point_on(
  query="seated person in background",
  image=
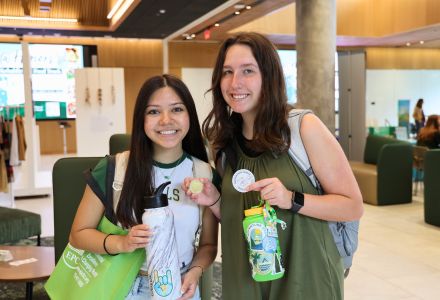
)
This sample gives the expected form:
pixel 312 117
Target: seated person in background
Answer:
pixel 429 136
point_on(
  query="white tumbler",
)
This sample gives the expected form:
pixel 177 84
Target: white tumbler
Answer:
pixel 162 259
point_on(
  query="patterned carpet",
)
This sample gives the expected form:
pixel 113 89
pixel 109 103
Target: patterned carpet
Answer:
pixel 14 291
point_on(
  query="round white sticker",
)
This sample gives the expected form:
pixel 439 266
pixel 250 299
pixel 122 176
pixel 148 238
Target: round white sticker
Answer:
pixel 241 179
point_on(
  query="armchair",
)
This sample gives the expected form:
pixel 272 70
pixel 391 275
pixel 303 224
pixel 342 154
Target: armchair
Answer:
pixel 385 175
pixel 119 142
pixel 68 187
pixel 432 187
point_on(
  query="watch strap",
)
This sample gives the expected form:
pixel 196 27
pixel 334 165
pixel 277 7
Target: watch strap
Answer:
pixel 297 202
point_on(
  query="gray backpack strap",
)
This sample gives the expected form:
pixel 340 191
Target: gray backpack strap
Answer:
pixel 345 234
pixel 201 169
pixel 296 150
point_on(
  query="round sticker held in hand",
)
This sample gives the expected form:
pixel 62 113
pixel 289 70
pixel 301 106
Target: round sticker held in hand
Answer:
pixel 241 179
pixel 196 186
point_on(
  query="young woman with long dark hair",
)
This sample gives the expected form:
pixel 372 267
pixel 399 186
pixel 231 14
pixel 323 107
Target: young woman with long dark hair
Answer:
pixel 165 142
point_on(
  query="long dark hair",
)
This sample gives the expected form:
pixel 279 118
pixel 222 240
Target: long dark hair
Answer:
pixel 430 128
pixel 271 130
pixel 139 179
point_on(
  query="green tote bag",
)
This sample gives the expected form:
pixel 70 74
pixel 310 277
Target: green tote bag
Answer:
pixel 80 274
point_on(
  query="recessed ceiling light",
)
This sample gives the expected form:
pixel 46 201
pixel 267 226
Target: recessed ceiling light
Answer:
pixel 26 18
pixel 422 42
pixel 216 24
pixel 248 7
pixel 114 9
pixel 193 35
pixel 237 12
pixel 162 11
pixel 408 44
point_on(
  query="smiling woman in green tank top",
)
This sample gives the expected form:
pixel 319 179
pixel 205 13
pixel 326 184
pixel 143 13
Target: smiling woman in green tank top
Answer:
pixel 248 122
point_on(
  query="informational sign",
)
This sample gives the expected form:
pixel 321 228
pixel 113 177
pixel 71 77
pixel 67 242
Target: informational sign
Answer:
pixel 403 112
pixel 52 74
pixel 11 75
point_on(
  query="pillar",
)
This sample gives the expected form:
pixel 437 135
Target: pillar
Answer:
pixel 316 46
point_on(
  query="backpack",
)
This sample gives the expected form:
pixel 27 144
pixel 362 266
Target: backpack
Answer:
pixel 345 234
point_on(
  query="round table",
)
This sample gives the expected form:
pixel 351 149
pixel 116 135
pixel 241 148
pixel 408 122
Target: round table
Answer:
pixel 30 272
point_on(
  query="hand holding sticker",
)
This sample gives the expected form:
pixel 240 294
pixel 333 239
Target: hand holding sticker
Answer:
pixel 241 179
pixel 196 186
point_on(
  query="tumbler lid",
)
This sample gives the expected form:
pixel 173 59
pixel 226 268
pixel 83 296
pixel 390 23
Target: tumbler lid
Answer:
pixel 253 211
pixel 158 199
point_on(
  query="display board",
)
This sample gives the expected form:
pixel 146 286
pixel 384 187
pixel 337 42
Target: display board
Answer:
pixel 100 104
pixel 198 81
pixel 11 75
pixel 52 75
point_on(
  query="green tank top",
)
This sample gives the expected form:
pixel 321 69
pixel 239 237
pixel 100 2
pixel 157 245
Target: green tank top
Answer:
pixel 314 269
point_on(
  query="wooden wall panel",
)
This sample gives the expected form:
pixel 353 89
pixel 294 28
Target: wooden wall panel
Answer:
pixel 51 137
pixel 192 55
pixel 132 53
pixel 281 21
pixel 381 18
pixel 403 58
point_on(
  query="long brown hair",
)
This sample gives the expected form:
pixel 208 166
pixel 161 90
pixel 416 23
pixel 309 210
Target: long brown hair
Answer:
pixel 271 130
pixel 139 179
pixel 430 128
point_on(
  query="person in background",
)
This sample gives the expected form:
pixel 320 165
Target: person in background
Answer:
pixel 165 141
pixel 418 115
pixel 249 124
pixel 429 136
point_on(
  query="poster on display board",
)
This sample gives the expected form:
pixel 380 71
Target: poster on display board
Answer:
pixel 403 117
pixel 52 74
pixel 403 112
pixel 11 75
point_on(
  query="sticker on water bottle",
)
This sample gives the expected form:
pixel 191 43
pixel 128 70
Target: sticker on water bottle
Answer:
pixel 241 179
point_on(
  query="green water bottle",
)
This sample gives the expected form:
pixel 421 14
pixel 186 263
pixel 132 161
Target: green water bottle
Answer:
pixel 260 229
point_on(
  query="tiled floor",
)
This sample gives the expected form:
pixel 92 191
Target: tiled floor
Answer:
pixel 398 256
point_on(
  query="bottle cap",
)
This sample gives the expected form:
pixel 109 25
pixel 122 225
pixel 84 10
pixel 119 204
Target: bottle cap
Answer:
pixel 158 199
pixel 253 211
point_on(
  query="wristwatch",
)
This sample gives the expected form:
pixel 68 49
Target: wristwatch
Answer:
pixel 297 202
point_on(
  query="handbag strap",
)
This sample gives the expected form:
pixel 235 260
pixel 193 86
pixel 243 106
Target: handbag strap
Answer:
pixel 119 175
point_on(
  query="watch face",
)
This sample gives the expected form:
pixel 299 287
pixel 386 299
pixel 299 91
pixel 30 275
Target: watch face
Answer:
pixel 297 202
pixel 299 198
